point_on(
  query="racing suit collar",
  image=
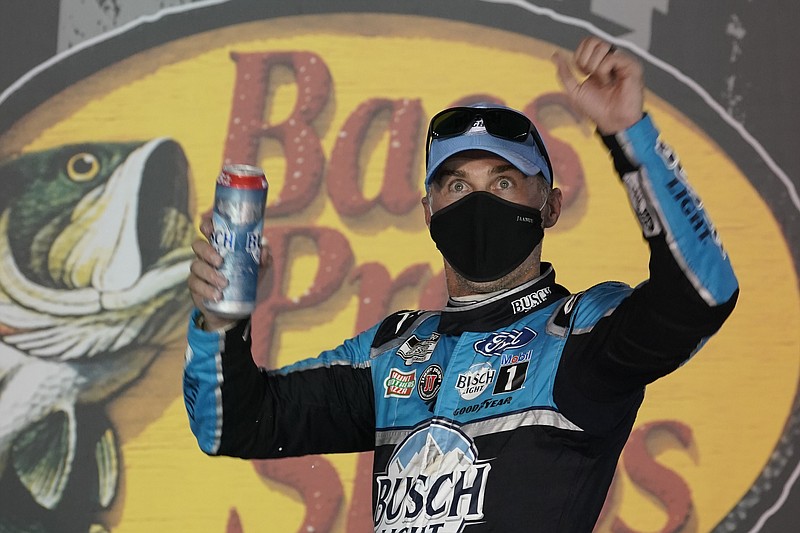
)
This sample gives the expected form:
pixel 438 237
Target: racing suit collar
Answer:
pixel 504 308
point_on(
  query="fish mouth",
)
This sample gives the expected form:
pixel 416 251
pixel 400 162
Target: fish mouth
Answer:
pixel 163 204
pixel 127 242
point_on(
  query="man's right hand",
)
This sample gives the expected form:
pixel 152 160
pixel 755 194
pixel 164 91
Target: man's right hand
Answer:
pixel 612 91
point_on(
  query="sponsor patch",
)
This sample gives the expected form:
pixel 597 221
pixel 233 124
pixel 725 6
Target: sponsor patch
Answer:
pixel 414 494
pixel 686 198
pixel 530 301
pixel 513 359
pixel 638 198
pixel 503 341
pixel 510 378
pixel 416 350
pixel 474 381
pixel 512 372
pixel 485 404
pixel 399 384
pixel 571 303
pixel 430 381
pixel 394 326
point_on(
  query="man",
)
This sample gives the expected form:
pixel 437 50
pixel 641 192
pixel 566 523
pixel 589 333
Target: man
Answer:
pixel 507 410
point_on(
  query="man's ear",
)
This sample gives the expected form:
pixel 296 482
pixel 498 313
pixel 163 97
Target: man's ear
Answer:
pixel 552 210
pixel 427 208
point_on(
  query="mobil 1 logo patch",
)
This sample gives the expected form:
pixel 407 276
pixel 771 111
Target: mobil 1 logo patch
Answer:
pixel 512 372
pixel 430 381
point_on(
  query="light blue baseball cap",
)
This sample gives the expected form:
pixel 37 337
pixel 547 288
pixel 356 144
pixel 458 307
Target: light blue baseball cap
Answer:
pixel 500 130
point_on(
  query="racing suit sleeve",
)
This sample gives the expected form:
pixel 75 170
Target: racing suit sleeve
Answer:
pixel 235 408
pixel 660 324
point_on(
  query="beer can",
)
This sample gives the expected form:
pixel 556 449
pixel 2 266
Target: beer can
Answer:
pixel 238 216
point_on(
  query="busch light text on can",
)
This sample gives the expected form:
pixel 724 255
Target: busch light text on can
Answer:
pixel 238 217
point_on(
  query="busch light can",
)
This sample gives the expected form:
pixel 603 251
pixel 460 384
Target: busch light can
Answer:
pixel 238 217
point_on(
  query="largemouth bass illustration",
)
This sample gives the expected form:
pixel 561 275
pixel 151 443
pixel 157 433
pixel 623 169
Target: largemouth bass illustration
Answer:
pixel 94 253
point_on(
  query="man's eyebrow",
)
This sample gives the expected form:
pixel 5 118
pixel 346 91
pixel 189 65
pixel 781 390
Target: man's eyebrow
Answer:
pixel 448 172
pixel 499 169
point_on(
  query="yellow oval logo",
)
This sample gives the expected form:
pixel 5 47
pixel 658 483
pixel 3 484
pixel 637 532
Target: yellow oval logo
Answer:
pixel 334 108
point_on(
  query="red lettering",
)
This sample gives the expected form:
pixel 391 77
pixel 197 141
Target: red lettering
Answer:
pixel 359 516
pixel 322 492
pixel 301 145
pixel 664 484
pixel 400 191
pixel 567 167
pixel 234 522
pixel 335 261
pixel 376 289
pixel 473 99
pixel 434 293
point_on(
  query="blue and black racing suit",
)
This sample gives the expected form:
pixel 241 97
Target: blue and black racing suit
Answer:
pixel 507 414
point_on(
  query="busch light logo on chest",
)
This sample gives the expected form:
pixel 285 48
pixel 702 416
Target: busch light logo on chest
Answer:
pixel 434 483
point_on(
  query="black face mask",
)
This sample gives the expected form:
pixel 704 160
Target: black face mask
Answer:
pixel 484 237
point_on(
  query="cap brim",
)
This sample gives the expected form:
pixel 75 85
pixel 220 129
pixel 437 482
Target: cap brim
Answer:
pixel 524 156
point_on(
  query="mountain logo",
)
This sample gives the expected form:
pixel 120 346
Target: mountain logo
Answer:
pixel 434 480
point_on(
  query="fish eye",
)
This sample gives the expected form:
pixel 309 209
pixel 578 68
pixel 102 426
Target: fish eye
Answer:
pixel 83 167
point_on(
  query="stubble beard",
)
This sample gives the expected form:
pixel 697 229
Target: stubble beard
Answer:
pixel 530 268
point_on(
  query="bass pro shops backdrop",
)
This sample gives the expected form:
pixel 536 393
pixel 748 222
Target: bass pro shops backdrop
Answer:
pixel 116 116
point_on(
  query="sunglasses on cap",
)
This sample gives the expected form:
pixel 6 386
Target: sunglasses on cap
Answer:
pixel 502 123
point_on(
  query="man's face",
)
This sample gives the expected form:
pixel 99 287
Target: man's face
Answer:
pixel 477 170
